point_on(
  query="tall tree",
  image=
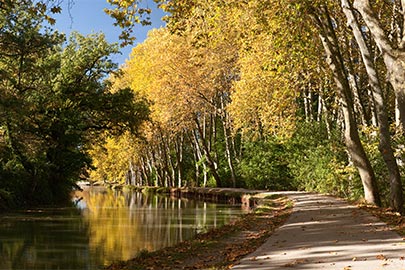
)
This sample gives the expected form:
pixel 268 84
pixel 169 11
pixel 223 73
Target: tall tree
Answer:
pixel 392 50
pixel 54 102
pixel 337 65
pixel 385 147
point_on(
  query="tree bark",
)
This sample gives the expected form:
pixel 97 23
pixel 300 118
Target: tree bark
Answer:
pixel 357 102
pixel 227 136
pixel 396 194
pixel 210 162
pixel 352 139
pixel 394 59
pixel 179 159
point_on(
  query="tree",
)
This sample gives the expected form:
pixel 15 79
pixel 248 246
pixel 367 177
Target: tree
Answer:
pixel 385 147
pixel 392 50
pixel 336 62
pixel 273 73
pixel 54 102
pixel 179 89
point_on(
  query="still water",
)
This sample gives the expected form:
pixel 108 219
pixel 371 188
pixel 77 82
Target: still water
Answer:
pixel 105 226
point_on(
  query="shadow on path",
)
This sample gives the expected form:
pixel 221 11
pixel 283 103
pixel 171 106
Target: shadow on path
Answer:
pixel 324 232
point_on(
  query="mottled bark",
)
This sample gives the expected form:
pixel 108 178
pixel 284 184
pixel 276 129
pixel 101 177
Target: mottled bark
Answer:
pixel 179 159
pixel 357 101
pixel 210 161
pixel 394 59
pixel 320 109
pixel 227 137
pixel 396 195
pixel 402 27
pixel 352 139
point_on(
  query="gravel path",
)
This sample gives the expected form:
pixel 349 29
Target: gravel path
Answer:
pixel 327 233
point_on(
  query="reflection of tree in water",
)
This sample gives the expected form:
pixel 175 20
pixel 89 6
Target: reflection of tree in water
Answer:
pixel 107 226
pixel 123 223
pixel 46 239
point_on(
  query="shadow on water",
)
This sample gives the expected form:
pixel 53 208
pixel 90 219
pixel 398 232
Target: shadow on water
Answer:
pixel 106 226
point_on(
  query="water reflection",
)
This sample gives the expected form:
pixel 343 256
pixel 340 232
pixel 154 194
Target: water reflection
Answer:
pixel 44 240
pixel 106 226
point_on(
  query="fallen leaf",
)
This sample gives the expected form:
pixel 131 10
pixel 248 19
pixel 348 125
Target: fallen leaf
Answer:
pixel 288 265
pixel 347 267
pixel 381 257
pixel 294 263
pixel 354 259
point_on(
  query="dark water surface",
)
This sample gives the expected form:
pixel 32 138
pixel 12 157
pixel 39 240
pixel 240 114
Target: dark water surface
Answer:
pixel 105 226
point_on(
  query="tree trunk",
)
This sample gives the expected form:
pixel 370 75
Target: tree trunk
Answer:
pixel 357 102
pixel 394 59
pixel 373 111
pixel 352 139
pixel 179 160
pixel 306 105
pixel 227 136
pixel 197 156
pixel 210 162
pixel 320 109
pixel 396 200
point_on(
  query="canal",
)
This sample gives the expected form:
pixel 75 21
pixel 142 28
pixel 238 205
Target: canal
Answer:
pixel 104 226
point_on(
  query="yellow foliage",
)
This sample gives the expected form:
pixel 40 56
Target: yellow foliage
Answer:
pixel 112 159
pixel 263 100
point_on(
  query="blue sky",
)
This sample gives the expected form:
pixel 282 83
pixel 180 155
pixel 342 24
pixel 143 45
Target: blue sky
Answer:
pixel 87 16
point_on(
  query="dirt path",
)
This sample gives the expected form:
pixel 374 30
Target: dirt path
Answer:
pixel 326 233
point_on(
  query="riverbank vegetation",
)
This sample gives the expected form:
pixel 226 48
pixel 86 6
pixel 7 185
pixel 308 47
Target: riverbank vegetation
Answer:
pixel 277 95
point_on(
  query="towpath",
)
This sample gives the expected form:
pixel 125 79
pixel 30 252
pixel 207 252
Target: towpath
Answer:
pixel 324 232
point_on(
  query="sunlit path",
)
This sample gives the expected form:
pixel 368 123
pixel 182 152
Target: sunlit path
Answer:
pixel 326 233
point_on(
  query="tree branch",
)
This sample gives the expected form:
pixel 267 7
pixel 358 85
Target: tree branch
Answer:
pixel 382 41
pixel 402 44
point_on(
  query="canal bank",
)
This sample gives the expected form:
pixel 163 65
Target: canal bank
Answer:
pixel 248 198
pixel 221 247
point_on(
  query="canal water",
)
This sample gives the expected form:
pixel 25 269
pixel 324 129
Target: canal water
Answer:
pixel 104 226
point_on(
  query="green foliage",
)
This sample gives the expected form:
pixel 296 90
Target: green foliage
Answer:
pixel 211 182
pixel 370 140
pixel 5 199
pixel 53 103
pixel 265 165
pixel 320 164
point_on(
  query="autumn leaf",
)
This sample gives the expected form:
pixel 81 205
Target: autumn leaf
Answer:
pixel 56 9
pixel 381 257
pixel 50 20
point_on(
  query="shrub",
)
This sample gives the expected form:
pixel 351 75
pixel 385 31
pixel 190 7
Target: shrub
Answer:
pixel 318 163
pixel 265 165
